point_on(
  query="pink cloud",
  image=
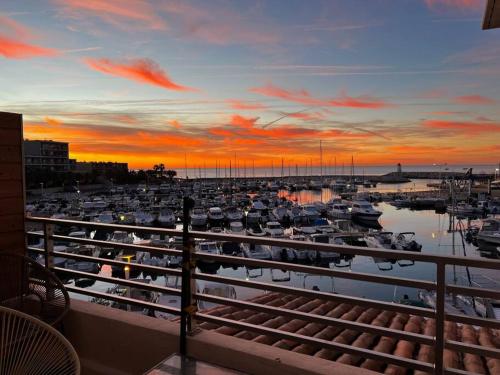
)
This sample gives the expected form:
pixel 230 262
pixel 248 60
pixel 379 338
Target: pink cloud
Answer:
pixel 242 105
pixel 304 97
pixel 124 14
pixel 455 4
pixel 219 25
pixel 139 70
pixel 14 41
pixel 174 123
pixel 474 99
pixel 463 127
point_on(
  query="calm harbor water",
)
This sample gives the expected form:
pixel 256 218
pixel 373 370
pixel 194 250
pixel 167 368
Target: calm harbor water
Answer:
pixel 431 230
pixel 298 168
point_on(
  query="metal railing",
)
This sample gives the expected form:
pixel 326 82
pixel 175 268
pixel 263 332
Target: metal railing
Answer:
pixel 189 296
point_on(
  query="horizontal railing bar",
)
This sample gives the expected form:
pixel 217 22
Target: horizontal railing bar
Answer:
pixel 365 353
pixel 35 249
pixel 305 245
pixel 127 282
pixel 126 300
pixel 278 311
pixel 315 294
pixel 427 285
pixel 91 224
pixel 35 234
pixel 474 292
pixel 472 320
pixel 483 351
pixel 119 245
pixel 155 269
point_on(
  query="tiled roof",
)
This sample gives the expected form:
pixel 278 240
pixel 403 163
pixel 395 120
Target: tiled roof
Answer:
pixel 464 333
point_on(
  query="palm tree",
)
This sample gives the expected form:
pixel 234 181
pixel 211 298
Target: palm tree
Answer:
pixel 159 170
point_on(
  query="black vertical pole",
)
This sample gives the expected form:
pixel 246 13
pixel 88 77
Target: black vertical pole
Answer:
pixel 188 204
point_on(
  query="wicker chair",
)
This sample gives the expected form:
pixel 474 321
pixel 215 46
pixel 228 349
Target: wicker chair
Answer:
pixel 37 292
pixel 30 346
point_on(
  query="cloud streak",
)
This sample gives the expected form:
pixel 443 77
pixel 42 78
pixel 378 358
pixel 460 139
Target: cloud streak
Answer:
pixel 14 42
pixel 463 127
pixel 139 70
pixel 474 100
pixel 304 97
pixel 124 14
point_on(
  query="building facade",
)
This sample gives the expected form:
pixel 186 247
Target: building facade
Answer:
pixel 49 155
pixel 100 168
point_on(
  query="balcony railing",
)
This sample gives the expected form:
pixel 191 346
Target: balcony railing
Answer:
pixel 189 296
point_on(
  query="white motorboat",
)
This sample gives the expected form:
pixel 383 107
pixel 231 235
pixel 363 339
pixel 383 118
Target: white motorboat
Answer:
pixel 105 217
pixel 233 213
pixel 311 212
pixel 236 227
pixel 208 247
pixel 253 217
pixel 144 218
pixel 274 229
pixel 282 254
pixel 322 256
pixel 198 217
pixel 215 216
pixel 488 237
pixel 281 214
pixel 166 218
pixel 121 236
pixel 463 209
pixel 254 251
pixel 301 256
pixel 339 211
pixel 338 185
pixel 256 230
pixel 363 210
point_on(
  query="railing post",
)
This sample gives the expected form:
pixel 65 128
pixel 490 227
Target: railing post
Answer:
pixel 440 316
pixel 48 243
pixel 188 306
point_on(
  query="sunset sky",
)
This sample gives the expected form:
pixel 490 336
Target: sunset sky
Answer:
pixel 145 82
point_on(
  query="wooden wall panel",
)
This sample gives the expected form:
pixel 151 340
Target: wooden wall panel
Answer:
pixel 12 198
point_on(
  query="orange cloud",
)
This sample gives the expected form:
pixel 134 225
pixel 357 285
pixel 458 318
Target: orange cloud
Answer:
pixel 306 116
pixel 463 127
pixel 243 122
pixel 139 70
pixel 474 99
pixel 304 97
pixel 221 132
pixel 241 105
pixel 120 13
pixel 176 124
pixel 12 49
pixel 52 121
pixel 243 127
pixel 13 41
pixel 447 113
